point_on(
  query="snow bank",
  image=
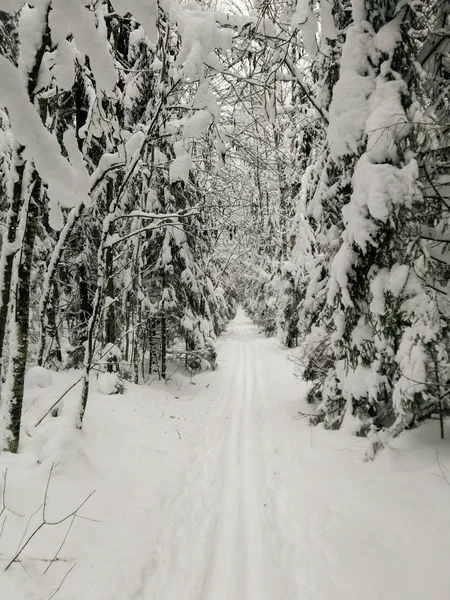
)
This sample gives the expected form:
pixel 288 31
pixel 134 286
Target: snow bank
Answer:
pixel 108 383
pixel 39 376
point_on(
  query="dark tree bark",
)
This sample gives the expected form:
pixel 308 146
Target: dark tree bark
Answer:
pixel 110 318
pixel 12 221
pixel 163 347
pixel 22 311
pixel 57 253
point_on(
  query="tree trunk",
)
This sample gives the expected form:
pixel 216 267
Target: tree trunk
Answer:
pixel 110 318
pixel 163 347
pixel 127 327
pixel 54 349
pixel 150 346
pixel 8 249
pixel 85 307
pixel 58 250
pixel 21 315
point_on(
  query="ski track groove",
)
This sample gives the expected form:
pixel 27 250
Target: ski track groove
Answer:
pixel 236 566
pixel 240 551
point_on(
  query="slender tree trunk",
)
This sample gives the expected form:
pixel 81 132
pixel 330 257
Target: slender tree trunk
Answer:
pixel 127 327
pixel 58 250
pixel 163 347
pixel 21 314
pixel 9 249
pixel 150 347
pixel 96 306
pixel 132 310
pixel 137 310
pixel 143 352
pixel 139 327
pixel 88 355
pixel 52 328
pixel 110 318
pixel 85 306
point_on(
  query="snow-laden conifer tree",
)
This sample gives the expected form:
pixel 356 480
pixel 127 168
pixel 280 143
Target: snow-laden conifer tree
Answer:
pixel 386 334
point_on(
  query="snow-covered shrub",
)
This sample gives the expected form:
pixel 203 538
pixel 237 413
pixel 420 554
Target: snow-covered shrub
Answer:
pixel 110 358
pixel 109 383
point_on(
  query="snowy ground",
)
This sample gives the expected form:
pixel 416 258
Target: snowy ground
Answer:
pixel 211 489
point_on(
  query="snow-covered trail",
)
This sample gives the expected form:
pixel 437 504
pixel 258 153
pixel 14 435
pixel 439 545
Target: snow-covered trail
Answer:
pixel 221 539
pixel 236 568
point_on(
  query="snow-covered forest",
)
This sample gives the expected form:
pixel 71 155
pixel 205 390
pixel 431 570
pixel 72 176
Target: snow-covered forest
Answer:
pixel 163 166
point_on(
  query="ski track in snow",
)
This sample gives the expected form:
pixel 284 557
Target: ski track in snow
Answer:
pixel 236 568
pixel 223 540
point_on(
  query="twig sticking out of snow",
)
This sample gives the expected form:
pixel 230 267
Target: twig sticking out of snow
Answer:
pixel 53 594
pixel 58 401
pixel 5 508
pixel 443 469
pixel 45 521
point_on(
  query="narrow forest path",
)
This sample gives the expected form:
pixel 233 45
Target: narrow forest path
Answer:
pixel 238 565
pixel 224 541
pixel 227 534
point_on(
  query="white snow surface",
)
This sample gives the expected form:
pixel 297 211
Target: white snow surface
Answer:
pixel 181 165
pixel 108 383
pixel 197 125
pixel 212 488
pixel 65 184
pixel 305 19
pixel 39 376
